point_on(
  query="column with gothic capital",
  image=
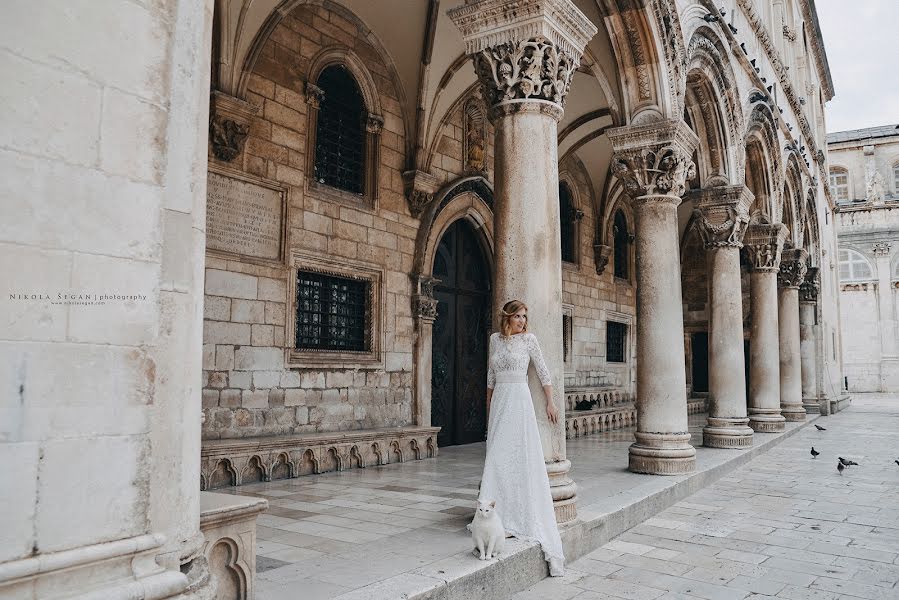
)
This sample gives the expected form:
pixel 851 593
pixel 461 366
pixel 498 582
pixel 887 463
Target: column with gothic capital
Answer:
pixel 764 243
pixel 424 311
pixel 789 278
pixel 525 55
pixel 808 339
pixel 722 215
pixel 653 161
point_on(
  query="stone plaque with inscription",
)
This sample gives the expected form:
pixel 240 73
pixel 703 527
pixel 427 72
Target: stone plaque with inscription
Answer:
pixel 243 217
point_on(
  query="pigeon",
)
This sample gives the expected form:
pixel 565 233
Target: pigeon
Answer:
pixel 819 428
pixel 844 462
pixel 815 453
pixel 840 467
pixel 897 462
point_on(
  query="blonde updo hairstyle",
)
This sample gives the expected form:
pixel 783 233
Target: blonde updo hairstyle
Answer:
pixel 509 310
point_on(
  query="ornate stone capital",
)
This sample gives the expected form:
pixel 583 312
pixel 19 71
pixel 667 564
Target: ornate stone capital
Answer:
pixel 374 124
pixel 654 160
pixel 314 95
pixel 420 187
pixel 808 290
pixel 523 50
pixel 722 215
pixel 764 243
pixel 601 254
pixel 424 305
pixel 229 125
pixel 792 268
pixel 881 248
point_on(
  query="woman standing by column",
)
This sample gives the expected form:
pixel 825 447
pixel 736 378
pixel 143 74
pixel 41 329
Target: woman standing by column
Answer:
pixel 514 470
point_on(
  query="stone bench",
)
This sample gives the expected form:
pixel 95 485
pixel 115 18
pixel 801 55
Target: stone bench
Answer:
pixel 236 461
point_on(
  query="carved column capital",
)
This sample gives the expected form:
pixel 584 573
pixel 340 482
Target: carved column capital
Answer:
pixel 419 187
pixel 654 160
pixel 314 95
pixel 722 215
pixel 424 305
pixel 374 124
pixel 601 254
pixel 229 125
pixel 524 52
pixel 881 248
pixel 764 243
pixel 808 290
pixel 792 268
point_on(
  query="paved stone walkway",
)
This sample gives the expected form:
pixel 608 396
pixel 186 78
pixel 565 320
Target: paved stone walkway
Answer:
pixel 783 526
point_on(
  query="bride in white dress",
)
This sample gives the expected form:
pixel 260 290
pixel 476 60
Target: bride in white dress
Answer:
pixel 514 470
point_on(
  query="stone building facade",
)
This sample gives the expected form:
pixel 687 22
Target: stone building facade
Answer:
pixel 864 177
pixel 312 211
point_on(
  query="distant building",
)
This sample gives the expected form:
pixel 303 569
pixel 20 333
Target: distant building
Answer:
pixel 864 181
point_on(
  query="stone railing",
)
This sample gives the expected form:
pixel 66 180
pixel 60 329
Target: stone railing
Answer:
pixel 614 411
pixel 604 397
pixel 249 460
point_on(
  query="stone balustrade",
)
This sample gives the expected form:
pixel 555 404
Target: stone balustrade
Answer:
pixel 614 411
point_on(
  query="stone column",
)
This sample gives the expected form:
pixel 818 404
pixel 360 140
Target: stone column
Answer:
pixel 524 60
pixel 808 339
pixel 889 335
pixel 654 163
pixel 722 215
pixel 789 278
pixel 764 244
pixel 424 310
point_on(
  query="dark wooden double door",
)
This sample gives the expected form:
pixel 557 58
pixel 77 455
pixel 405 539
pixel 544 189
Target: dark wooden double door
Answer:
pixel 460 338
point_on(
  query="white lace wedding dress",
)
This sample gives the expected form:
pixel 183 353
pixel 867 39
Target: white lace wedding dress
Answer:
pixel 514 470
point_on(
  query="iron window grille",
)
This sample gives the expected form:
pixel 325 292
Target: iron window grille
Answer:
pixel 333 313
pixel 621 239
pixel 340 132
pixel 616 336
pixel 568 218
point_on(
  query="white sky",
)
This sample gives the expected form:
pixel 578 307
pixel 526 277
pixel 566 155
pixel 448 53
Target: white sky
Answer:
pixel 860 37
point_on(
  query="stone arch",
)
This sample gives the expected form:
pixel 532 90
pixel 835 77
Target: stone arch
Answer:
pixel 790 198
pixel 712 101
pixel 254 471
pixel 763 171
pixel 223 475
pixel 226 568
pixel 281 467
pixel 337 55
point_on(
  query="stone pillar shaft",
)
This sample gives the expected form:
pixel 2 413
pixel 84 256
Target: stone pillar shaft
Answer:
pixel 525 107
pixel 722 215
pixel 654 163
pixel 790 276
pixel 764 244
pixel 808 340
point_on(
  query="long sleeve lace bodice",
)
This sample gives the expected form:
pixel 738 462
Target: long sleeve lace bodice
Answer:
pixel 511 354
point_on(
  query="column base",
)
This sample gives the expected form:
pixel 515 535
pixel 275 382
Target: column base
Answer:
pixel 661 454
pixel 563 490
pixel 727 433
pixel 767 422
pixel 793 413
pixel 812 406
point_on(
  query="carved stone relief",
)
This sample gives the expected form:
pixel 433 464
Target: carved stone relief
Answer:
pixel 654 159
pixel 229 125
pixel 601 254
pixel 808 290
pixel 474 136
pixel 764 243
pixel 792 268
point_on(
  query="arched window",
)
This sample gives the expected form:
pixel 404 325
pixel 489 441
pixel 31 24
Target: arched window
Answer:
pixel 839 184
pixel 621 238
pixel 568 215
pixel 340 132
pixel 854 266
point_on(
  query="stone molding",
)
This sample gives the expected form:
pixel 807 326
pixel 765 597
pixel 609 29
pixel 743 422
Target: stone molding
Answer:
pixel 249 460
pixel 764 243
pixel 722 215
pixel 792 268
pixel 523 49
pixel 654 160
pixel 808 290
pixel 420 187
pixel 424 305
pixel 601 254
pixel 229 125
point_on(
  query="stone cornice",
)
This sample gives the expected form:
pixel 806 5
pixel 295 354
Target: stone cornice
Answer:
pixel 488 23
pixel 764 243
pixel 654 159
pixel 810 14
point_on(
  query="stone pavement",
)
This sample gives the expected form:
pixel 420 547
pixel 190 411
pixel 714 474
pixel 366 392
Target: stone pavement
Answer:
pixel 783 526
pixel 386 531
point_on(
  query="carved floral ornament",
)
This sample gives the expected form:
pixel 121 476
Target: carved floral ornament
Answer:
pixel 792 268
pixel 808 290
pixel 654 159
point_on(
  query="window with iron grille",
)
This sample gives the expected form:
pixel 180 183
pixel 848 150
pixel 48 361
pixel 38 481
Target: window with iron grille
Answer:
pixel 566 337
pixel 333 313
pixel 340 132
pixel 616 337
pixel 568 218
pixel 620 239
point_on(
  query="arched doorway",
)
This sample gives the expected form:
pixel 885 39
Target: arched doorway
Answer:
pixel 461 334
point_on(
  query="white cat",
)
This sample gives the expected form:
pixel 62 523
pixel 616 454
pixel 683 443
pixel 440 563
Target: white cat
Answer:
pixel 487 530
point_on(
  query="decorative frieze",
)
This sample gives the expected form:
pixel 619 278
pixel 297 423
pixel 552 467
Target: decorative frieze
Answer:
pixel 808 291
pixel 229 125
pixel 792 268
pixel 655 159
pixel 420 187
pixel 722 215
pixel 764 243
pixel 523 50
pixel 601 254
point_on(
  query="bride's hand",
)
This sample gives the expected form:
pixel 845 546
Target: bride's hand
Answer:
pixel 552 412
